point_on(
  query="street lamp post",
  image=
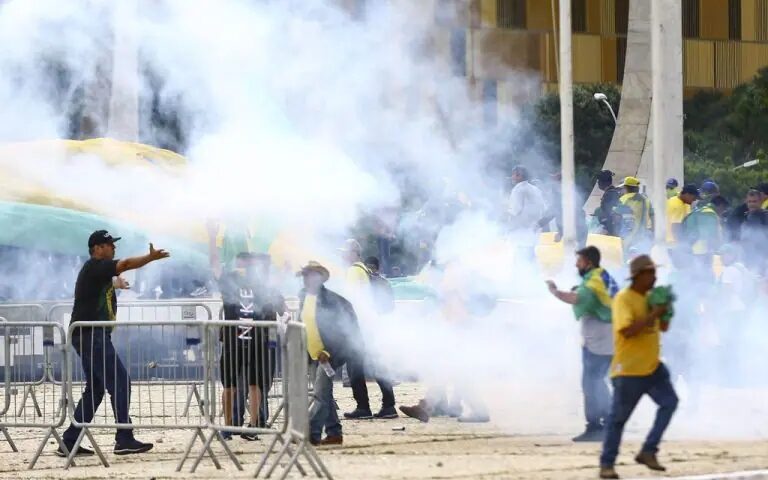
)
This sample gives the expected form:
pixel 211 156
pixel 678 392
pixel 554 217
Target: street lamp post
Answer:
pixel 601 97
pixel 748 164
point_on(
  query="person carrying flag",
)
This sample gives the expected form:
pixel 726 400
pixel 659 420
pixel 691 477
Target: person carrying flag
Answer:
pixel 591 302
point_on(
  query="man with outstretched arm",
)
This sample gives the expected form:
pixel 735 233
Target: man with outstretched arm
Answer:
pixel 95 300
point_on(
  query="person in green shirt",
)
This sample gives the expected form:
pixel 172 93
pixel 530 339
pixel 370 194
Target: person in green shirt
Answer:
pixel 591 302
pixel 703 232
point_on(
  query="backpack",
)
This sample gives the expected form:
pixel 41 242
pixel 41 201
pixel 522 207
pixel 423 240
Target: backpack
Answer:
pixel 381 290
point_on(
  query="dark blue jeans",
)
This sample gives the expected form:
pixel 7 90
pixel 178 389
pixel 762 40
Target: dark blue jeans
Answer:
pixel 597 398
pixel 103 370
pixel 627 392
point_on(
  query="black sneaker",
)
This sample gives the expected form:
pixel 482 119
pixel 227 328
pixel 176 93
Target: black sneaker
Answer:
pixel 81 452
pixel 226 435
pixel 387 413
pixel 359 414
pixel 129 447
pixel 251 437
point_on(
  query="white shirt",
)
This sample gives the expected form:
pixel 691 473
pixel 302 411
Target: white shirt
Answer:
pixel 526 208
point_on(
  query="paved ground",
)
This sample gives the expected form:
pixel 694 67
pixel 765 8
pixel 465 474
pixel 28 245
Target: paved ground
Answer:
pixel 532 444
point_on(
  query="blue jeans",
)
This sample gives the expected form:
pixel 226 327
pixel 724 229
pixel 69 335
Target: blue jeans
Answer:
pixel 324 415
pixel 597 398
pixel 627 392
pixel 103 370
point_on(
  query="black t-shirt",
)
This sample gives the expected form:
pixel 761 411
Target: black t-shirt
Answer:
pixel 246 300
pixel 95 298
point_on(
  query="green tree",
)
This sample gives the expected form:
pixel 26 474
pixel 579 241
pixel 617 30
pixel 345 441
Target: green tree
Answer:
pixel 593 128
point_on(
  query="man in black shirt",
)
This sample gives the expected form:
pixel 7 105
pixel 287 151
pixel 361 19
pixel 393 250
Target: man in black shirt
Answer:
pixel 95 300
pixel 608 202
pixel 246 352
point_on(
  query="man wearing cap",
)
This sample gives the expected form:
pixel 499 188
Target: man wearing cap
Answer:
pixel 678 207
pixel 636 213
pixel 95 300
pixel 608 202
pixel 333 339
pixel 360 292
pixel 247 353
pixel 703 233
pixel 709 190
pixel 636 368
pixel 592 307
pixel 672 188
pixel 525 208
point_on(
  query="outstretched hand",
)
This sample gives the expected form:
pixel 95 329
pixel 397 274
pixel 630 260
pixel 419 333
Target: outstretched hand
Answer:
pixel 157 254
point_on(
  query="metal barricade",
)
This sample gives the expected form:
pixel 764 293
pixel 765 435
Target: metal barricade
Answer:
pixel 21 343
pixel 112 354
pixel 35 373
pixel 175 362
pixel 227 347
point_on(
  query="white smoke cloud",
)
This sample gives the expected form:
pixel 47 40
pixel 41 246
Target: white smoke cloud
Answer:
pixel 298 113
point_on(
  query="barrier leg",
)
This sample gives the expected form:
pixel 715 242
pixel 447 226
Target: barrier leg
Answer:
pixel 40 448
pixel 280 455
pixel 276 415
pixel 198 434
pixel 207 447
pixel 29 391
pixel 294 460
pixel 265 457
pixel 96 447
pixel 193 392
pixel 9 439
pixel 309 451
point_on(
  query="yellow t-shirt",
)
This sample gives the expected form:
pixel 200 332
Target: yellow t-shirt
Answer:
pixel 357 276
pixel 309 317
pixel 637 356
pixel 677 210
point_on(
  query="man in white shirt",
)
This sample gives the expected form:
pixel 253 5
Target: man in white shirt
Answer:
pixel 525 208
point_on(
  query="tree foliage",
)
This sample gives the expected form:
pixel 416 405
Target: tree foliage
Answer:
pixel 720 132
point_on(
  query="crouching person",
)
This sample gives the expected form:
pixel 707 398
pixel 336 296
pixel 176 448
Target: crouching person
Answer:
pixel 333 338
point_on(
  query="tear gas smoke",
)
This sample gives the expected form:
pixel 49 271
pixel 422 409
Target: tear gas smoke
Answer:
pixel 302 116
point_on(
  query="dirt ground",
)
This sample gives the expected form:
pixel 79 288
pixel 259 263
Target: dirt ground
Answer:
pixel 534 444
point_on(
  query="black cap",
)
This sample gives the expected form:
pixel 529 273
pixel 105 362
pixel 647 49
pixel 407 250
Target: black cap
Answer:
pixel 690 189
pixel 605 176
pixel 762 188
pixel 100 237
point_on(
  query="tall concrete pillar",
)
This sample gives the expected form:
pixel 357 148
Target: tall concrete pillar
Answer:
pixel 631 151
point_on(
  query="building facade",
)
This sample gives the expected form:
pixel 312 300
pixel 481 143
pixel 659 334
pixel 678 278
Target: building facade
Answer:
pixel 725 42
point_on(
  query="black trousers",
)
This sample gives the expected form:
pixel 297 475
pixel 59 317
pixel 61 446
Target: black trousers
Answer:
pixel 356 371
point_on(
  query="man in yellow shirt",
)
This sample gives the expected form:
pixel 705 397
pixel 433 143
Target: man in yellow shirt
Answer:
pixel 636 213
pixel 333 339
pixel 636 369
pixel 359 292
pixel 679 207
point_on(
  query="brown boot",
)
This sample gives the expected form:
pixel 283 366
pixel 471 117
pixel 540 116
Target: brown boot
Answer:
pixel 608 472
pixel 419 412
pixel 332 440
pixel 649 460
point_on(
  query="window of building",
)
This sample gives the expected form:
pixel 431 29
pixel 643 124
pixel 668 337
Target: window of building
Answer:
pixel 734 19
pixel 691 18
pixel 511 13
pixel 579 16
